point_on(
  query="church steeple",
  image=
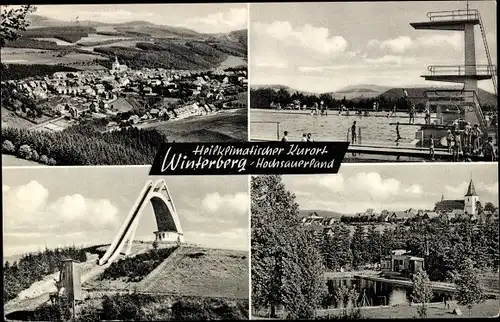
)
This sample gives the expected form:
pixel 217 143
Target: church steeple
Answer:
pixel 471 191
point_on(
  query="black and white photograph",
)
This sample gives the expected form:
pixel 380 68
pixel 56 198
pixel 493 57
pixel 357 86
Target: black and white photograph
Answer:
pixel 112 243
pixel 400 80
pixel 107 84
pixel 379 242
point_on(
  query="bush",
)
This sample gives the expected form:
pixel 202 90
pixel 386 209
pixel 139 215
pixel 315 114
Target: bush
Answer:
pixel 34 155
pixel 44 159
pixel 89 313
pixel 58 311
pixel 24 152
pixel 127 307
pixel 8 147
pixel 136 268
pixel 51 161
pixel 208 309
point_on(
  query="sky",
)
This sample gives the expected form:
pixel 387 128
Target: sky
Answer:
pixel 393 187
pixel 206 18
pixel 321 47
pixel 87 205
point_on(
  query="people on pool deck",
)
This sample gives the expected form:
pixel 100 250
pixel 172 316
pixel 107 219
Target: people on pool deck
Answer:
pixel 353 132
pixel 489 150
pixel 397 132
pixel 427 114
pixel 304 137
pixel 476 138
pixel 309 137
pixel 412 114
pixel 285 137
pixel 456 146
pixel 431 147
pixel 449 140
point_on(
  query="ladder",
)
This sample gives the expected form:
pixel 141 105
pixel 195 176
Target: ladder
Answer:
pixel 490 63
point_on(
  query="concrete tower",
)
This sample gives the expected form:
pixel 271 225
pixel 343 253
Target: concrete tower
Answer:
pixel 471 198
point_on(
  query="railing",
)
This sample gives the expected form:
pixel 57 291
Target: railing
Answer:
pixel 470 14
pixel 465 94
pixel 462 70
pixel 487 49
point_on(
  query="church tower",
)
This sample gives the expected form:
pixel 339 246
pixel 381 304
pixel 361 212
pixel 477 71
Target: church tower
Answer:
pixel 471 198
pixel 116 64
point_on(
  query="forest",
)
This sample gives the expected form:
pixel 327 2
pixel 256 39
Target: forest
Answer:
pixel 69 33
pixel 288 260
pixel 31 268
pixel 134 269
pixel 263 97
pixel 83 144
pixel 20 71
pixel 166 54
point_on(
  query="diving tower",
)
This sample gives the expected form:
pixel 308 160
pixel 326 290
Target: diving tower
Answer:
pixel 461 104
pixel 167 220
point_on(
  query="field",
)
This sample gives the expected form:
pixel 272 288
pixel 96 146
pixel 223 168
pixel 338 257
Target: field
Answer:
pixel 233 61
pixel 207 272
pixel 31 56
pixel 96 38
pixel 222 127
pixel 9 118
pixel 57 41
pixel 190 271
pixel 487 309
pixel 12 161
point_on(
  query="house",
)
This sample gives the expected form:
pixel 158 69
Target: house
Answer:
pixel 134 119
pixel 401 261
pixel 154 112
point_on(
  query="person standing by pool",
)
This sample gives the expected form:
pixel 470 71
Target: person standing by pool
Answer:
pixel 304 137
pixel 397 132
pixel 449 140
pixel 431 147
pixel 353 132
pixel 456 146
pixel 427 113
pixel 489 150
pixel 475 136
pixel 285 137
pixel 412 113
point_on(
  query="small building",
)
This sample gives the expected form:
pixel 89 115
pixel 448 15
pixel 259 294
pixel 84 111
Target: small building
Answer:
pixel 401 261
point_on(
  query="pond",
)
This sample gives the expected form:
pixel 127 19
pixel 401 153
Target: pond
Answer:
pixel 375 293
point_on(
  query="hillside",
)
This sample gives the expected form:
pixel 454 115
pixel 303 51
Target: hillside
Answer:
pixel 277 87
pixel 359 91
pixel 321 213
pixel 136 43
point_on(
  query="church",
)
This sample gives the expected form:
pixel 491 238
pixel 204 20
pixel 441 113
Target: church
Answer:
pixel 467 205
pixel 117 67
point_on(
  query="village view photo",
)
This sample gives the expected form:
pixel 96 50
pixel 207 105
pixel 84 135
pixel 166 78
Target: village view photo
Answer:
pixel 107 84
pixel 392 241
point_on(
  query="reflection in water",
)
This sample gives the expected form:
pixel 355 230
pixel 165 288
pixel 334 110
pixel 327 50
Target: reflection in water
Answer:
pixel 374 293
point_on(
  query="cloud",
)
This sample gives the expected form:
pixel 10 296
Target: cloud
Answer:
pixel 229 239
pixel 316 39
pixel 481 188
pixel 414 189
pixel 397 45
pixel 372 184
pixel 391 59
pixel 111 14
pixel 27 208
pixel 404 44
pixel 234 203
pixel 224 21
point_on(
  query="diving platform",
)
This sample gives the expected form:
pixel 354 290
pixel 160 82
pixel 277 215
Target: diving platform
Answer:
pixel 459 73
pixel 454 20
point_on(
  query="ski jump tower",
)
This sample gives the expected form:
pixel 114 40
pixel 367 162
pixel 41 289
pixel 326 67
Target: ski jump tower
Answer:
pixel 167 220
pixel 468 74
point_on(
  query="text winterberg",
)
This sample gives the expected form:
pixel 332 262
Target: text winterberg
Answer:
pixel 254 150
pixel 263 163
pixel 181 162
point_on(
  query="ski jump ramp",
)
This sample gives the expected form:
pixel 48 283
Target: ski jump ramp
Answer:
pixel 167 220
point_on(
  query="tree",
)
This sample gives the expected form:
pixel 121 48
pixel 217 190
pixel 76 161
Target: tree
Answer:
pixel 286 268
pixel 24 152
pixel 359 253
pixel 469 288
pixel 34 155
pixel 13 22
pixel 422 292
pixel 44 159
pixel 8 147
pixel 373 244
pixel 489 207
